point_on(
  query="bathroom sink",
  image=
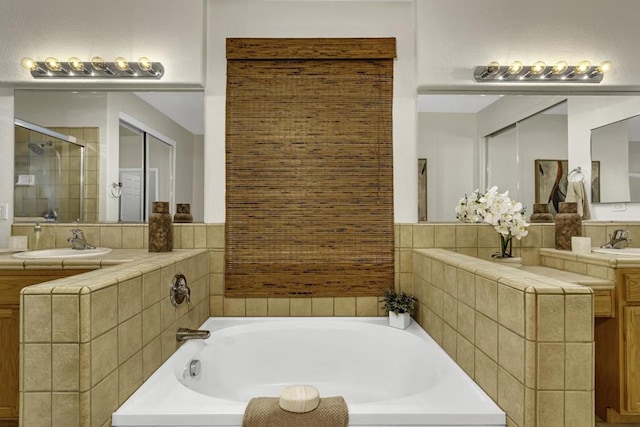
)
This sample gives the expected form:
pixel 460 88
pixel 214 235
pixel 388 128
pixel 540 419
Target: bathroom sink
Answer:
pixel 623 252
pixel 62 253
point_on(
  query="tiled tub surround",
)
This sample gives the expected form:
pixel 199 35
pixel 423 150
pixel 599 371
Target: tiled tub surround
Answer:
pixel 526 339
pixel 89 341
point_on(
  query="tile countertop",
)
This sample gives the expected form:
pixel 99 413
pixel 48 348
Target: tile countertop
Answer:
pixel 605 260
pixel 570 277
pixel 129 262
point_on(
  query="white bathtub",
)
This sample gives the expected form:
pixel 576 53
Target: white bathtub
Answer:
pixel 388 377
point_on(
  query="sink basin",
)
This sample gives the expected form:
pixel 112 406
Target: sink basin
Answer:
pixel 622 252
pixel 62 253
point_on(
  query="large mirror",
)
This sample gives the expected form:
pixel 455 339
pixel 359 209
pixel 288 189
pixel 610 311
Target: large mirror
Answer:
pixel 617 147
pixel 141 147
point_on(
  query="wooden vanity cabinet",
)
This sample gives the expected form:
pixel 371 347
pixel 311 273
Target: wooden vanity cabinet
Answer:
pixel 11 283
pixel 617 353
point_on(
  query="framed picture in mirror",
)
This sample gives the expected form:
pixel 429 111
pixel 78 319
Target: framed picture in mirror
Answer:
pixel 551 182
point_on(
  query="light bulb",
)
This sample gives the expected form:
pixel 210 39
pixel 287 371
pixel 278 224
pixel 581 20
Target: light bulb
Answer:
pixel 515 67
pixel 605 66
pixel 559 67
pixel 144 63
pixel 76 64
pixel 538 67
pixel 491 70
pixel 53 64
pixel 98 63
pixel 121 63
pixel 29 64
pixel 583 67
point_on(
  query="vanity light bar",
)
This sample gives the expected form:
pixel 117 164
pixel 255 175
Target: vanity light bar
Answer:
pixel 539 72
pixel 96 68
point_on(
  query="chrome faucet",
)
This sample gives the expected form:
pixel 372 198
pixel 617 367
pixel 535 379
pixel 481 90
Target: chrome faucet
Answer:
pixel 184 334
pixel 78 240
pixel 619 240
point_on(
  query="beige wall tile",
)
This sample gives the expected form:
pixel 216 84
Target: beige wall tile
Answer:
pixel 598 271
pixel 215 235
pixel 151 323
pixel 65 318
pixel 449 340
pixel 466 321
pixel 65 410
pixel 511 313
pixel 579 366
pixel 578 409
pixel 129 298
pixel 511 353
pixel 216 305
pixel 465 355
pixel 104 310
pixel 578 318
pixel 151 288
pixel 344 306
pixel 533 239
pixel 256 307
pixel 551 317
pixel 551 358
pixel 187 236
pixel 37 367
pixel 216 261
pixel 199 236
pixel 486 374
pixel 436 300
pixel 437 274
pixel 450 277
pixel 104 355
pixel 111 236
pixel 64 367
pixel 278 306
pixel 487 297
pixel 129 338
pixel 37 410
pixel 466 287
pixel 216 284
pixel 488 237
pixel 84 372
pixel 406 263
pixel 423 236
pixel 530 363
pixel 129 377
pixel 406 236
pixel 168 313
pixel 445 236
pixel 511 396
pixel 322 306
pixel 366 306
pixel 168 342
pixel 234 307
pixel 466 235
pixel 36 318
pixel 300 306
pixel 487 336
pixel 104 400
pixel 551 408
pixel 151 357
pixel 450 310
pixel 133 236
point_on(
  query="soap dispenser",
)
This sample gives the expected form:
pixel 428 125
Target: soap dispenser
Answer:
pixel 34 240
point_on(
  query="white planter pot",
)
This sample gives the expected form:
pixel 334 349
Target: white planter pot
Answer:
pixel 399 320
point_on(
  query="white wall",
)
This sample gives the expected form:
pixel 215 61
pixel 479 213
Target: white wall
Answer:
pixel 264 18
pixel 448 142
pixel 610 146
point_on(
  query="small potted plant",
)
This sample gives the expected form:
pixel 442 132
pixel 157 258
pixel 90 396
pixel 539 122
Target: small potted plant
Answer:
pixel 400 306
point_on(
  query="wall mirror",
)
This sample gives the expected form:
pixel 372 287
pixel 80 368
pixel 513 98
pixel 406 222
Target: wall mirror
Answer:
pixel 617 147
pixel 158 136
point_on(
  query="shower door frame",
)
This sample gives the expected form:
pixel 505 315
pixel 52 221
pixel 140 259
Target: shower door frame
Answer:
pixel 67 138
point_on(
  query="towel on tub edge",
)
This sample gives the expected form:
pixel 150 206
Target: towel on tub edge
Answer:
pixel 266 412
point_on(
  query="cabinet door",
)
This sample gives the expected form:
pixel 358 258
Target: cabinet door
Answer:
pixel 9 325
pixel 632 358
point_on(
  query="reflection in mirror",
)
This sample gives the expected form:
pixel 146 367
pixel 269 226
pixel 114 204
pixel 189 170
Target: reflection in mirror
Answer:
pixel 612 145
pixel 177 117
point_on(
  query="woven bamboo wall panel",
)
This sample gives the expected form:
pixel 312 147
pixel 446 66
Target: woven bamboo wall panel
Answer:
pixel 309 178
pixel 311 48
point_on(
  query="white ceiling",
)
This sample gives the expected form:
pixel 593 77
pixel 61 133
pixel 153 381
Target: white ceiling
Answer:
pixel 185 108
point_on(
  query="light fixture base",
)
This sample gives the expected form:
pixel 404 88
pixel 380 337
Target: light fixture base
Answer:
pixel 526 75
pixel 109 71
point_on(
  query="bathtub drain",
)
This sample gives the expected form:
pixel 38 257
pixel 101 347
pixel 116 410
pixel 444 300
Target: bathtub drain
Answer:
pixel 194 368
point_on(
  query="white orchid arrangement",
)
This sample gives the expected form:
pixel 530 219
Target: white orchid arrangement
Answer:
pixel 505 215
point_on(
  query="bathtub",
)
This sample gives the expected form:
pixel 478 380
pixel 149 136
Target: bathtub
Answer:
pixel 388 376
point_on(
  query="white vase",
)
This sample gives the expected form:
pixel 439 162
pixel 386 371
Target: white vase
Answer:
pixel 399 320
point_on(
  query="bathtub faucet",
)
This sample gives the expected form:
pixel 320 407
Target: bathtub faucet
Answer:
pixel 184 334
pixel 78 240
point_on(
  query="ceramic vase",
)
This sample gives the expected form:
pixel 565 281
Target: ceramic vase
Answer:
pixel 160 228
pixel 183 213
pixel 568 225
pixel 541 213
